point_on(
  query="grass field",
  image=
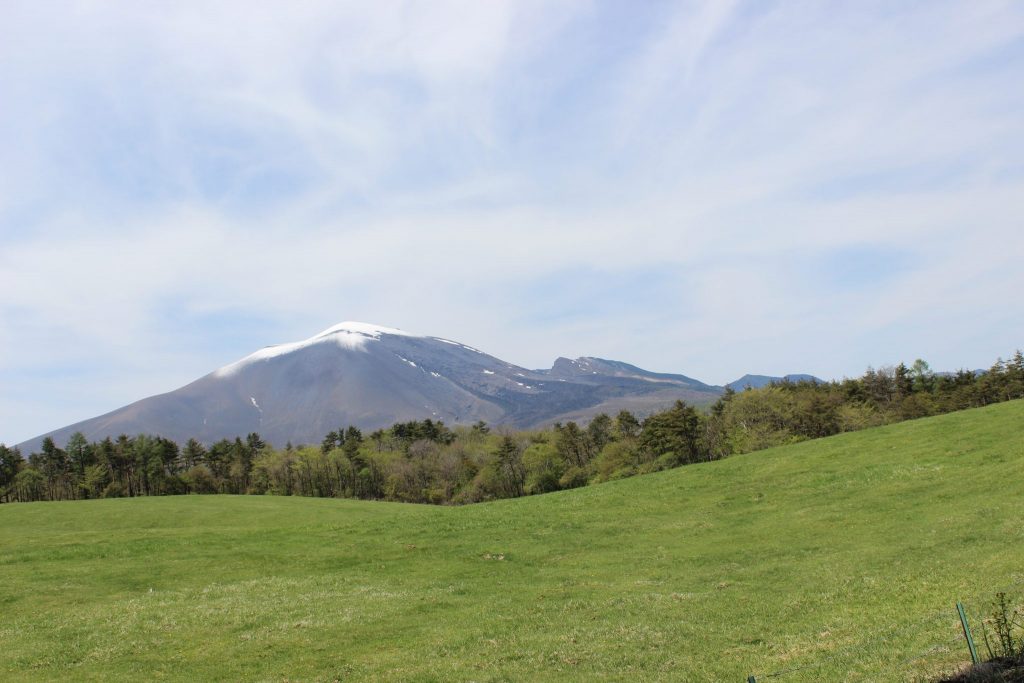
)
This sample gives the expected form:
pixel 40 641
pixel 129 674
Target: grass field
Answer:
pixel 843 556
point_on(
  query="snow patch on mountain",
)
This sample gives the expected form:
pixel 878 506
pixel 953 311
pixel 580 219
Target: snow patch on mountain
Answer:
pixel 368 329
pixel 257 407
pixel 348 335
pixel 454 343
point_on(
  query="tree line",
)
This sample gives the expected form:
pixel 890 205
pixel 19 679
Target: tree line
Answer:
pixel 429 462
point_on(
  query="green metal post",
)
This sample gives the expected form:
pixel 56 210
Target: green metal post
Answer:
pixel 751 679
pixel 967 632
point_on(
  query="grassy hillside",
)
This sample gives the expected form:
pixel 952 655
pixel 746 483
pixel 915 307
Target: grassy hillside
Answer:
pixel 826 554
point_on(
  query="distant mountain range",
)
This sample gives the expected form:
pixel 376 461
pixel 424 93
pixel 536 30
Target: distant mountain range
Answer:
pixel 373 376
pixel 758 381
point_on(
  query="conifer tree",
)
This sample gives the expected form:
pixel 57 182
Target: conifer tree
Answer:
pixel 674 434
pixel 626 424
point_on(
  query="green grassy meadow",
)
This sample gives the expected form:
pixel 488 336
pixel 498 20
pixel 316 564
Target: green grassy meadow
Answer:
pixel 840 557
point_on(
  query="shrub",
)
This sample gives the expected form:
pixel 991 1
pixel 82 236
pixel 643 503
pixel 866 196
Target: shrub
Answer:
pixel 1003 634
pixel 199 479
pixel 544 468
pixel 114 489
pixel 618 459
pixel 572 478
pixel 1003 630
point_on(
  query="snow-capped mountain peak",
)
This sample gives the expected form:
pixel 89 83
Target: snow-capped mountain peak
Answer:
pixel 366 329
pixel 350 335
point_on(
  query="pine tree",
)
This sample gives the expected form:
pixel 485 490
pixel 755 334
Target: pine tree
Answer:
pixel 673 435
pixel 626 424
pixel 599 432
pixel 509 468
pixel 903 381
pixel 194 454
pixel 718 409
pixel 354 439
pixel 54 469
pixel 79 452
pixel 330 442
pixel 255 443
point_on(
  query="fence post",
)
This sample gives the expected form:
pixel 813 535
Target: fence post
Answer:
pixel 967 632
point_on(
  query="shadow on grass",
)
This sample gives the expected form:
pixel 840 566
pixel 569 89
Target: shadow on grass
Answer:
pixel 999 670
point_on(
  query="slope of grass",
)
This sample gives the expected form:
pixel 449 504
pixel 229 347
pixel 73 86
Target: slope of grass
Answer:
pixel 842 556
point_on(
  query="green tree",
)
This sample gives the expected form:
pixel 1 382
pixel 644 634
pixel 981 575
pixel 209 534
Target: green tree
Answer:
pixel 353 440
pixel 193 454
pixel 599 431
pixel 11 463
pixel 627 425
pixel 571 444
pixel 672 437
pixel 903 380
pixel 145 465
pixel 508 465
pixel 95 480
pixel 240 468
pixel 30 485
pixel 218 460
pixel 331 441
pixel 543 468
pixel 255 443
pixel 79 452
pixel 123 482
pixel 758 418
pixel 1015 370
pixel 616 460
pixel 922 376
pixel 54 469
pixel 879 386
pixel 718 409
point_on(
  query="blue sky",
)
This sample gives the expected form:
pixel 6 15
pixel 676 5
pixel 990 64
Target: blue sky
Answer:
pixel 710 188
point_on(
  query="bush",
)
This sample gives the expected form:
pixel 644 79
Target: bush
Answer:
pixel 199 479
pixel 544 468
pixel 114 489
pixel 1003 634
pixel 617 460
pixel 574 477
pixel 1003 631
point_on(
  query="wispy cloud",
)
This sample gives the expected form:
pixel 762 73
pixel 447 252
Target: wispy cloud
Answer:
pixel 704 187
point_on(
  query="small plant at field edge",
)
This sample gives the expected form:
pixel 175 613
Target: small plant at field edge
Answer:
pixel 1006 639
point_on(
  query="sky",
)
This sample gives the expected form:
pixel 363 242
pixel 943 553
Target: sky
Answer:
pixel 709 188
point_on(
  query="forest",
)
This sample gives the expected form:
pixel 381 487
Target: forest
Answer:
pixel 429 462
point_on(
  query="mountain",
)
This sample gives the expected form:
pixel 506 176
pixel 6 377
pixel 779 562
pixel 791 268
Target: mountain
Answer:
pixel 758 381
pixel 373 376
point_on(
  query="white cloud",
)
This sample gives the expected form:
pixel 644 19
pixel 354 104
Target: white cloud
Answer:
pixel 420 165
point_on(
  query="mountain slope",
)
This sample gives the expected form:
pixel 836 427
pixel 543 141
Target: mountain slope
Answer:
pixel 835 559
pixel 373 376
